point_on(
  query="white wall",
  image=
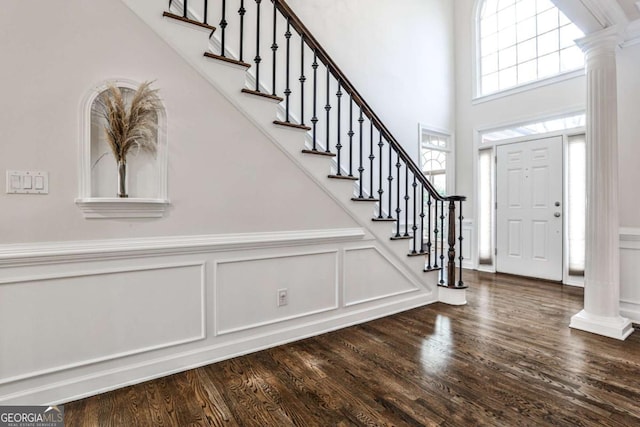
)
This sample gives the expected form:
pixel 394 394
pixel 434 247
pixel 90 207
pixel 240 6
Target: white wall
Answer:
pixel 629 175
pixel 629 134
pixel 224 175
pixel 398 56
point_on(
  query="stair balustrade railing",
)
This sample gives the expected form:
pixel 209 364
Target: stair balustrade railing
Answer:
pixel 420 212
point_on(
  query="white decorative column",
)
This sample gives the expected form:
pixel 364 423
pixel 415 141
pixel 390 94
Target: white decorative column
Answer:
pixel 601 314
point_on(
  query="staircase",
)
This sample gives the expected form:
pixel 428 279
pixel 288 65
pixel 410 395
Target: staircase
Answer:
pixel 268 64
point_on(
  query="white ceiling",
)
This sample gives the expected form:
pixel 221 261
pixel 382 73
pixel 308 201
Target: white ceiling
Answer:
pixel 630 8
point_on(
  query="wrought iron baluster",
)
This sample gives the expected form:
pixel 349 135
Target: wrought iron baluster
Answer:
pixel 287 91
pixel 398 209
pixel 303 79
pixel 274 48
pixel 360 168
pixel 351 133
pixel 414 227
pixel 223 24
pixel 380 190
pixel 429 232
pixel 185 8
pixel 339 127
pixel 435 234
pixel 406 201
pixel 371 159
pixel 257 58
pixel 422 219
pixel 314 119
pixel 390 179
pixel 442 241
pixel 327 108
pixel 242 11
pixel 206 8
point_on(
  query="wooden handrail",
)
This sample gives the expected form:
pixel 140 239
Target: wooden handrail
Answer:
pixel 347 86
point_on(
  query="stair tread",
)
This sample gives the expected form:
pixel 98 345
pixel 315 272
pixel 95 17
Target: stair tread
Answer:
pixel 226 59
pixel 291 125
pixel 350 178
pixel 188 21
pixel 384 219
pixel 363 199
pixel 262 94
pixel 427 270
pixel 319 153
pixel 401 237
pixel 442 285
pixel 417 254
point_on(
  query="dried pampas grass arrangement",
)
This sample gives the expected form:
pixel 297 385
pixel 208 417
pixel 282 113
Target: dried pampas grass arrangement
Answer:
pixel 131 121
pixel 133 125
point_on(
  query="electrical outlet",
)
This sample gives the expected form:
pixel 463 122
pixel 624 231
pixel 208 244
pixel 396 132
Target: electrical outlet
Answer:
pixel 283 297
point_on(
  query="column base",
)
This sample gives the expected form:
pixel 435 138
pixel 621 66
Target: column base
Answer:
pixel 452 296
pixel 612 327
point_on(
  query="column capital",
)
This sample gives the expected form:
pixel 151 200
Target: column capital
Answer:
pixel 604 41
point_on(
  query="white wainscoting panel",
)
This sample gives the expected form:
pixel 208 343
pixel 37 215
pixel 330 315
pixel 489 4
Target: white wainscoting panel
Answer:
pixel 49 324
pixel 630 273
pixel 369 276
pixel 246 290
pixel 81 318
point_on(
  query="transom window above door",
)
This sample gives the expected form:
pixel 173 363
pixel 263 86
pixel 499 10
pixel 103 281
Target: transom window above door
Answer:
pixel 523 41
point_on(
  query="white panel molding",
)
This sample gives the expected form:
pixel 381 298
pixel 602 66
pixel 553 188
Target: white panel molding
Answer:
pixel 529 86
pixel 199 337
pixel 630 244
pixel 335 306
pixel 629 238
pixel 417 286
pixel 77 387
pixel 15 255
pixel 630 310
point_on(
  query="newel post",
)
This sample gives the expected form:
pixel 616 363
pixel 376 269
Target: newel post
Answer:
pixel 452 292
pixel 451 240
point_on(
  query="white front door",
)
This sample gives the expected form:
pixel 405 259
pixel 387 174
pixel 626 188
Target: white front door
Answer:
pixel 529 208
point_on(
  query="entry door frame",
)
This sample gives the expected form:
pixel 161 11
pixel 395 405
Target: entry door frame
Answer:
pixel 492 146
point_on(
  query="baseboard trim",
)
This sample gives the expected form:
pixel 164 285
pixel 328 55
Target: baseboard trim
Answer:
pixel 630 310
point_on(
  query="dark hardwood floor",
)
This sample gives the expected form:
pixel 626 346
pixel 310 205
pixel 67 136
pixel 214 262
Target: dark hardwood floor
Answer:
pixel 507 358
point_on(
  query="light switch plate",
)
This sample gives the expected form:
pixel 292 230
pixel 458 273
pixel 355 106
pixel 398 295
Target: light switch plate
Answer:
pixel 27 182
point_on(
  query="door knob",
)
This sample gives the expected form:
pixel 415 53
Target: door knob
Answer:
pixel 557 214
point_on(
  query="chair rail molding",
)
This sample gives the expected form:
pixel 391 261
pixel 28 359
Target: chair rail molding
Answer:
pixel 13 255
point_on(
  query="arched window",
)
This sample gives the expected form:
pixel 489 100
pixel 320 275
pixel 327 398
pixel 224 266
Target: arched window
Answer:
pixel 522 41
